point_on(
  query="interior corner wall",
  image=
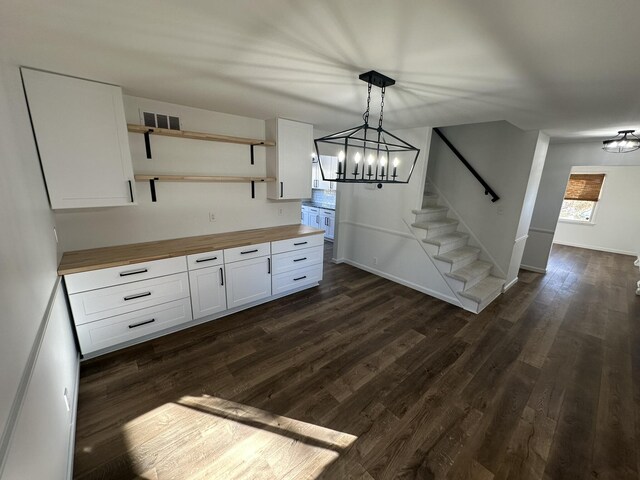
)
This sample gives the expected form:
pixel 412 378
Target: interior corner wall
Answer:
pixel 504 157
pixel 616 222
pixel 183 208
pixel 29 260
pixel 561 157
pixel 373 232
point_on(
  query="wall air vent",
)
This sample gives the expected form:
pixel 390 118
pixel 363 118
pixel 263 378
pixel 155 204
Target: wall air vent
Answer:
pixel 161 120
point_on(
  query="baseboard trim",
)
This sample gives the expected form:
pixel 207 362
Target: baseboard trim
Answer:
pixel 74 417
pixel 27 373
pixel 533 269
pixel 510 284
pixel 599 249
pixel 414 286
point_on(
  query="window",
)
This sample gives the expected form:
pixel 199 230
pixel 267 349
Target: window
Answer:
pixel 581 197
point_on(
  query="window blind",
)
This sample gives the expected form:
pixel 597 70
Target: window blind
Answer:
pixel 584 186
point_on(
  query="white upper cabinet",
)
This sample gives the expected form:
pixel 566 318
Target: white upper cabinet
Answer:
pixel 82 139
pixel 290 160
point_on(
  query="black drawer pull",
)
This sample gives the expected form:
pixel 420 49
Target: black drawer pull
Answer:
pixel 300 243
pixel 221 278
pixel 299 278
pixel 249 251
pixel 137 295
pixel 299 259
pixel 210 259
pixel 133 272
pixel 142 323
pixel 269 265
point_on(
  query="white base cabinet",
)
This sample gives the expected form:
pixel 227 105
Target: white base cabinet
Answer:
pixel 119 306
pixel 248 281
pixel 208 292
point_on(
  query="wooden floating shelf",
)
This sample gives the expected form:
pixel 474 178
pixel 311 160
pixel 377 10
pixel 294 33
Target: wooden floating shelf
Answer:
pixel 211 137
pixel 201 178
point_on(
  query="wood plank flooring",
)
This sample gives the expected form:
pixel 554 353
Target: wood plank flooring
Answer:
pixel 362 378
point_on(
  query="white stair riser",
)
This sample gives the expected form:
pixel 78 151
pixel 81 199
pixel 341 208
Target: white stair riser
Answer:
pixel 434 232
pixel 468 304
pixel 429 202
pixel 453 245
pixel 428 217
pixel 459 285
pixel 431 248
pixel 489 299
pixel 450 267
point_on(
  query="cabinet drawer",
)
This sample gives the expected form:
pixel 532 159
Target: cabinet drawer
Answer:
pixel 284 282
pixel 207 259
pixel 106 277
pixel 122 328
pixel 328 213
pixel 296 243
pixel 250 251
pixel 107 302
pixel 284 262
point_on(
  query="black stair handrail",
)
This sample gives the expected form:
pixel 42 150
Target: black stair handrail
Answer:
pixel 487 189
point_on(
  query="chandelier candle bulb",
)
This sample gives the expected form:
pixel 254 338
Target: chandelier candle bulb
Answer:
pixel 396 162
pixel 340 160
pixel 356 159
pixel 383 163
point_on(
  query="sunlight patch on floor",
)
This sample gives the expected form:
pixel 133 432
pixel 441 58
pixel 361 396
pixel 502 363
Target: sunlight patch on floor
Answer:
pixel 212 438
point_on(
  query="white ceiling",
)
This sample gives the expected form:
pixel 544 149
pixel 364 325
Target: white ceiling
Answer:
pixel 569 67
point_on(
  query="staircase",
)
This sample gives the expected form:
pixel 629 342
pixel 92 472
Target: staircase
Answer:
pixel 471 278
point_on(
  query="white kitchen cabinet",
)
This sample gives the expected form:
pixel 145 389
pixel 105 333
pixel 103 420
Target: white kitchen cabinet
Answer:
pixel 248 281
pixel 327 222
pixel 314 217
pixel 290 160
pixel 208 292
pixel 82 140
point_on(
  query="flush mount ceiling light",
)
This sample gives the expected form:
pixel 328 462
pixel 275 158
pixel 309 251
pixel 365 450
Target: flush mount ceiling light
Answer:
pixel 366 154
pixel 624 142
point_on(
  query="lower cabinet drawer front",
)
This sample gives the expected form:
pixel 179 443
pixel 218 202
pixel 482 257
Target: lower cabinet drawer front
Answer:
pixel 250 251
pixel 106 277
pixel 122 328
pixel 298 243
pixel 107 302
pixel 285 262
pixel 284 282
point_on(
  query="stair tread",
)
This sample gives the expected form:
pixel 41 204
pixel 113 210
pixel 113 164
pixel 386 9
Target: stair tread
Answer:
pixel 458 254
pixel 471 271
pixel 443 222
pixel 447 238
pixel 430 210
pixel 484 289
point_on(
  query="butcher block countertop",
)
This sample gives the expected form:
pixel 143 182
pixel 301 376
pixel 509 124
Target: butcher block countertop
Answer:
pixel 105 257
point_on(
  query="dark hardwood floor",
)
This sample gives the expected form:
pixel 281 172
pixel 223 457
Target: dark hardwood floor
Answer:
pixel 364 378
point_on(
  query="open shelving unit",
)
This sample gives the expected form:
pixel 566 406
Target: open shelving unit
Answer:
pixel 210 137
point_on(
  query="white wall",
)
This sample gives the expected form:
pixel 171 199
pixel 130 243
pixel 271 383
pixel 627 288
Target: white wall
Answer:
pixel 561 157
pixel 616 225
pixel 372 232
pixel 510 161
pixel 183 209
pixel 42 443
pixel 28 260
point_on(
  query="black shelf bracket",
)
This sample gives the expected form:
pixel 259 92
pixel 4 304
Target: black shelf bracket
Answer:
pixel 152 187
pixel 253 184
pixel 147 142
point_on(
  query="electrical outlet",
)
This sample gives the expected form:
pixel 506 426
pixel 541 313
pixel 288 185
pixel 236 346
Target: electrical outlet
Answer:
pixel 212 217
pixel 375 261
pixel 500 210
pixel 279 211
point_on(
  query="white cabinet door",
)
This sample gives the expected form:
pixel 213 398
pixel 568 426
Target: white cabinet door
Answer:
pixel 208 292
pixel 327 222
pixel 81 132
pixel 304 215
pixel 248 281
pixel 290 160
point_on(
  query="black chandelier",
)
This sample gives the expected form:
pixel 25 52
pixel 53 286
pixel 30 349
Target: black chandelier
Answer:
pixel 366 154
pixel 624 142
